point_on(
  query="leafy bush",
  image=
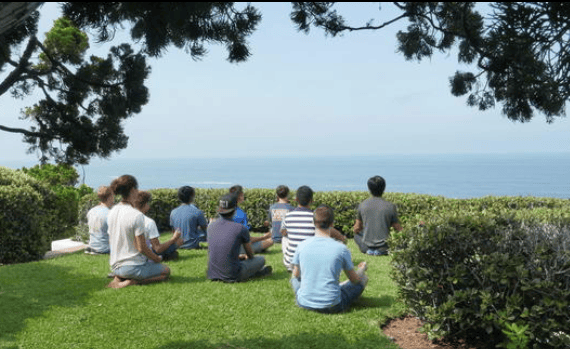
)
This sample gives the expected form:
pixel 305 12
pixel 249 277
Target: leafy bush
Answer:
pixel 489 273
pixel 61 174
pixel 27 220
pixel 61 179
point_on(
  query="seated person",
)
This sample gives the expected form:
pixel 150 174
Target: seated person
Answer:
pixel 224 240
pixel 258 243
pixel 317 264
pixel 97 222
pixel 375 217
pixel 130 255
pixel 277 213
pixel 168 249
pixel 189 219
pixel 298 225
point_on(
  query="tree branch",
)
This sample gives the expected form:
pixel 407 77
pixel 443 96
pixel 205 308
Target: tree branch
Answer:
pixel 370 27
pixel 20 130
pixel 21 68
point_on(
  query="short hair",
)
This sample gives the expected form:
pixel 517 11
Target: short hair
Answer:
pixel 304 195
pixel 124 184
pixel 323 217
pixel 142 199
pixel 186 194
pixel 104 192
pixel 282 191
pixel 229 215
pixel 236 189
pixel 376 185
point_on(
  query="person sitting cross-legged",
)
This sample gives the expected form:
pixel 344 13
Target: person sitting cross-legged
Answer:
pixel 258 243
pixel 189 219
pixel 97 222
pixel 167 249
pixel 317 264
pixel 375 217
pixel 224 240
pixel 130 254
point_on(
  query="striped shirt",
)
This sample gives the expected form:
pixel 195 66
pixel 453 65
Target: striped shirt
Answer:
pixel 299 226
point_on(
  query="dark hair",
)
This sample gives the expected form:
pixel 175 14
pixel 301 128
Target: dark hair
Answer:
pixel 142 199
pixel 186 194
pixel 236 189
pixel 282 191
pixel 123 185
pixel 376 185
pixel 229 215
pixel 304 195
pixel 103 193
pixel 323 217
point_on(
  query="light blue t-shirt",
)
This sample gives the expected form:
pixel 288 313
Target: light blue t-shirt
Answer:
pixel 98 235
pixel 321 260
pixel 188 218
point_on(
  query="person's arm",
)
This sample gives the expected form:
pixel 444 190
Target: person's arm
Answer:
pixel 296 272
pixel 260 238
pixel 202 221
pixel 159 248
pixel 358 226
pixel 337 235
pixel 352 276
pixel 397 226
pixel 140 244
pixel 248 250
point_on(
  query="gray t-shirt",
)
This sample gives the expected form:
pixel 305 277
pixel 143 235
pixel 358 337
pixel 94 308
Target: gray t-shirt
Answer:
pixel 377 216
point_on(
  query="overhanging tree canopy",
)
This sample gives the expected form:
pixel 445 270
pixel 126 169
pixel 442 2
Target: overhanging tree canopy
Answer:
pixel 519 54
pixel 520 51
pixel 87 98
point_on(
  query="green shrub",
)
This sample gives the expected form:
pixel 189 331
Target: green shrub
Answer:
pixel 487 272
pixel 61 174
pixel 27 220
pixel 61 179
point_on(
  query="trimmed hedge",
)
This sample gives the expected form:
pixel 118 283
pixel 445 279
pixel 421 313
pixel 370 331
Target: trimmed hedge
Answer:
pixel 485 273
pixel 27 218
pixel 412 208
pixel 61 179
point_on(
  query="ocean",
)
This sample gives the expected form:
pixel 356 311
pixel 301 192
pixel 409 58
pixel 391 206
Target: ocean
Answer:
pixel 452 176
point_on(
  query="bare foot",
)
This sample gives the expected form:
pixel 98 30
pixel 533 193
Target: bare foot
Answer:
pixel 117 283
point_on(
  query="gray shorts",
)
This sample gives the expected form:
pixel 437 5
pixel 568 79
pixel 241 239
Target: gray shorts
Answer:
pixel 140 272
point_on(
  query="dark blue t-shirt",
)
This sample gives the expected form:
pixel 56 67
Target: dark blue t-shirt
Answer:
pixel 224 240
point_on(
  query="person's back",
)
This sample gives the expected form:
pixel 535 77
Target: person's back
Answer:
pixel 321 261
pixel 317 264
pixel 375 217
pixel 97 222
pixel 98 235
pixel 225 237
pixel 278 211
pixel 378 216
pixel 188 219
pixel 125 222
pixel 224 240
pixel 298 225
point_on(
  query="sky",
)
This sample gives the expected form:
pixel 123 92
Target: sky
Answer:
pixel 304 95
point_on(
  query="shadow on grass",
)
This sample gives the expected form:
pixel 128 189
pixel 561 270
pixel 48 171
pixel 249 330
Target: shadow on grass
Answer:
pixel 366 302
pixel 28 290
pixel 302 340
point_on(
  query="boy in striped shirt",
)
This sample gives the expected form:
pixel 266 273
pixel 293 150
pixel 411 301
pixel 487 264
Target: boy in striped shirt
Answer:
pixel 298 225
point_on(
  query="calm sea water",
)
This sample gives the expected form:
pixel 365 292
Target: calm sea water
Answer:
pixel 453 176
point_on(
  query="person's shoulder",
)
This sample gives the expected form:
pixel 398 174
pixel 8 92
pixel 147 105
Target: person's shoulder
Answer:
pixel 148 220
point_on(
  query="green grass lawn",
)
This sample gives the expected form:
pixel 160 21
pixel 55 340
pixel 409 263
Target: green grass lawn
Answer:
pixel 63 303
